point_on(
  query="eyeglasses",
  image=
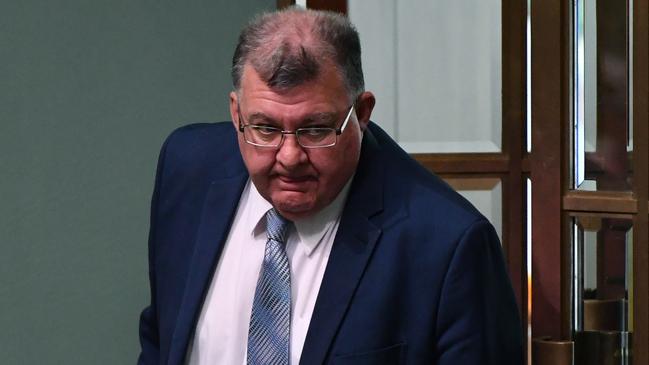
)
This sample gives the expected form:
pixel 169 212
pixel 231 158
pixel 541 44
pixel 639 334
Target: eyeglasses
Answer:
pixel 307 137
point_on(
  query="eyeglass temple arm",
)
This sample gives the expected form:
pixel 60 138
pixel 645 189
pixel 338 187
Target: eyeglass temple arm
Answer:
pixel 342 127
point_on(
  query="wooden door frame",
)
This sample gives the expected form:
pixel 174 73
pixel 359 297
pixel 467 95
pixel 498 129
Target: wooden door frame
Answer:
pixel 553 200
pixel 640 62
pixel 549 164
pixel 551 101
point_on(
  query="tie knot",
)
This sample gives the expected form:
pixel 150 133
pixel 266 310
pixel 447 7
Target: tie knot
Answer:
pixel 276 226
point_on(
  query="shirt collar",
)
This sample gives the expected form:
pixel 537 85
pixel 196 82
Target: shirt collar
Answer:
pixel 257 208
pixel 311 230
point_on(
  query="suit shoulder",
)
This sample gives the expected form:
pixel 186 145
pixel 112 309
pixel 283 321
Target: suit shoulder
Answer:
pixel 194 140
pixel 200 133
pixel 441 208
pixel 428 199
pixel 202 149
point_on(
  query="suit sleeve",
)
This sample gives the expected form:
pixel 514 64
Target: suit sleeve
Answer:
pixel 478 320
pixel 149 335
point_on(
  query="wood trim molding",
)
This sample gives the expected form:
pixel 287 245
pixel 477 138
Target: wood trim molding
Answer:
pixel 600 202
pixel 483 163
pixel 595 218
pixel 457 163
pixel 472 183
pixel 339 6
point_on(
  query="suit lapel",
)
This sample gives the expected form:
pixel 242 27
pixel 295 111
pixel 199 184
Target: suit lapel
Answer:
pixel 351 251
pixel 218 211
pixel 349 255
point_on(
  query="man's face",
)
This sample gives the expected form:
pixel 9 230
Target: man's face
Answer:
pixel 300 181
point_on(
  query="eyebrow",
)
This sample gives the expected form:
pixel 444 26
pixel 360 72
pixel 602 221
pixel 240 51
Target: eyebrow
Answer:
pixel 324 118
pixel 260 117
pixel 321 118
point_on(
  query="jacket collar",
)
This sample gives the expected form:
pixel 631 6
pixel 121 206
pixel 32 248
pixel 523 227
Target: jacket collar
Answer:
pixel 218 212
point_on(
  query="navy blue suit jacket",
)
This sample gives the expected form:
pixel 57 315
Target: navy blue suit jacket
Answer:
pixel 415 276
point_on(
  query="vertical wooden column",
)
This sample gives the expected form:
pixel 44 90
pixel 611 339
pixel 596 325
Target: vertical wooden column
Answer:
pixel 514 85
pixel 640 99
pixel 551 98
pixel 281 4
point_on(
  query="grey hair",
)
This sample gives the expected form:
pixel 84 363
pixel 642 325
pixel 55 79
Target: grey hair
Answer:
pixel 288 48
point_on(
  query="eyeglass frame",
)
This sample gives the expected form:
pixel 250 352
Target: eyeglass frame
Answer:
pixel 296 132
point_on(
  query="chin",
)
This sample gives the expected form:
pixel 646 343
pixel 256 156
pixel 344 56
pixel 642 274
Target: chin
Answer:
pixel 292 208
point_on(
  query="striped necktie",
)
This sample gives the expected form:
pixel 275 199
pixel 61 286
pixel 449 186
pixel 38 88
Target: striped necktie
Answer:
pixel 270 321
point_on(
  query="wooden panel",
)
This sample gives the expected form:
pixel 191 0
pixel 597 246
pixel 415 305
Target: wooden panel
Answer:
pixel 566 271
pixel 339 6
pixel 597 165
pixel 281 4
pixel 481 163
pixel 641 177
pixel 513 32
pixel 546 352
pixel 448 163
pixel 612 91
pixel 525 164
pixel 590 224
pixel 550 113
pixel 478 183
pixel 590 201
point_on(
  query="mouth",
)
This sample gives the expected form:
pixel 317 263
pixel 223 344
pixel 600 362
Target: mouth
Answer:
pixel 295 183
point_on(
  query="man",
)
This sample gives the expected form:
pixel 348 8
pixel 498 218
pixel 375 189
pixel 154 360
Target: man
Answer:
pixel 301 233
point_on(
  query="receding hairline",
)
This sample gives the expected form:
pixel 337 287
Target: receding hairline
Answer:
pixel 320 35
pixel 326 66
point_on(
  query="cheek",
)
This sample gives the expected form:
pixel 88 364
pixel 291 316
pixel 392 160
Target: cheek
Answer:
pixel 334 169
pixel 342 163
pixel 259 166
pixel 258 163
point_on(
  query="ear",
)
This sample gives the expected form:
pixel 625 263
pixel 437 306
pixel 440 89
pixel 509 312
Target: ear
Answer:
pixel 234 109
pixel 364 106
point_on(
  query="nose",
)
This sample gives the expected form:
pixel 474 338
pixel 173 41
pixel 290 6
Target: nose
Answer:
pixel 290 153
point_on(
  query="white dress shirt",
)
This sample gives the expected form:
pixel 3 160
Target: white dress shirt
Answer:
pixel 221 335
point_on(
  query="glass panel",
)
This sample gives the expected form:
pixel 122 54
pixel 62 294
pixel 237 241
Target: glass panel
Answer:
pixel 603 282
pixel 485 194
pixel 435 67
pixel 602 128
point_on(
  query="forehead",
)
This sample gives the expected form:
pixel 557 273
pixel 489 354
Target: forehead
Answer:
pixel 325 93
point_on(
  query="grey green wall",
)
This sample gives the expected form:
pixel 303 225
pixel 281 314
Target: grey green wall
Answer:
pixel 88 91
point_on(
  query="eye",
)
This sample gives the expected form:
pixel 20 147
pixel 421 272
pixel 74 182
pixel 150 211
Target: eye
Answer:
pixel 316 135
pixel 265 130
pixel 315 132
